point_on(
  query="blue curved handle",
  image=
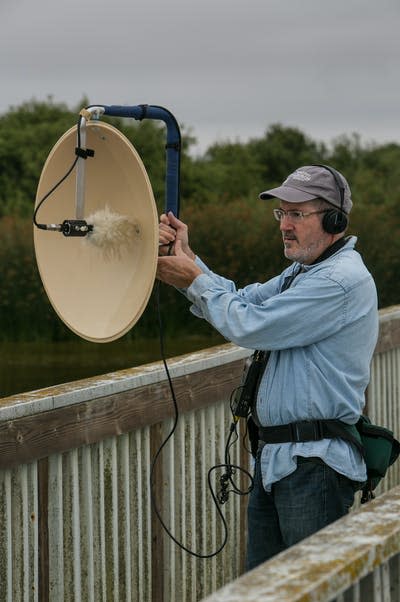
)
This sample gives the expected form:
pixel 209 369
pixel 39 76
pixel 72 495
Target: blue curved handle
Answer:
pixel 173 146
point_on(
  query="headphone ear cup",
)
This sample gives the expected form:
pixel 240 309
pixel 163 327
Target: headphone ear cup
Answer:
pixel 334 221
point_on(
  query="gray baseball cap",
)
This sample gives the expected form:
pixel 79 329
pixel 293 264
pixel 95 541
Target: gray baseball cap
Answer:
pixel 312 182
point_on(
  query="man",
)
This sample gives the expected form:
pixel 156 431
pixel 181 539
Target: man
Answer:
pixel 319 322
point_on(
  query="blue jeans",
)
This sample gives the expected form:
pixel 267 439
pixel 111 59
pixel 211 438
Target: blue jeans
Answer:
pixel 310 498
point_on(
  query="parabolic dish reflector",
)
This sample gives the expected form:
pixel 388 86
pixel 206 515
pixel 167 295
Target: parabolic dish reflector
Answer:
pixel 99 295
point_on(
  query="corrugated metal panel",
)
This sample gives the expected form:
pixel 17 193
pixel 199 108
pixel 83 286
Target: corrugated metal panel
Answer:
pixel 99 521
pixel 19 534
pixel 189 511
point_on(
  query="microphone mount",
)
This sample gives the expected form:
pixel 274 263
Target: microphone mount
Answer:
pixel 75 227
pixel 69 227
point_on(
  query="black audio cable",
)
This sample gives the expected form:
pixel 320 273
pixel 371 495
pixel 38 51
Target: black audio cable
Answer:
pixel 219 498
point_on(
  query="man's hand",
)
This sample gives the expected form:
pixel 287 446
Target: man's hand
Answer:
pixel 178 270
pixel 171 229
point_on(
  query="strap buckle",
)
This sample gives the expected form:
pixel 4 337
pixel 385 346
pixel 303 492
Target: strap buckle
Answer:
pixel 306 430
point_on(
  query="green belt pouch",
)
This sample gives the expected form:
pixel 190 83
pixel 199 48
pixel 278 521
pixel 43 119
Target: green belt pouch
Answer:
pixel 380 447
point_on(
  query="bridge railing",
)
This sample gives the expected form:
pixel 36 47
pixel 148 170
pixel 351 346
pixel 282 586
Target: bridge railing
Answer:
pixel 355 559
pixel 76 519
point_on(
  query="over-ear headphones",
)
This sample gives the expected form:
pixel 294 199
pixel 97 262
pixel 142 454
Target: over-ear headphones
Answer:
pixel 335 220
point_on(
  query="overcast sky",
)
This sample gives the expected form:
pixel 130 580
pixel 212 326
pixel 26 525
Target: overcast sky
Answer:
pixel 226 68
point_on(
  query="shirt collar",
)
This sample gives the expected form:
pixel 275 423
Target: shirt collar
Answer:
pixel 337 245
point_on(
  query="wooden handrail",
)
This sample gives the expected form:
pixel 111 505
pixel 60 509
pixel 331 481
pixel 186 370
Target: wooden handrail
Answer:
pixel 87 411
pixel 36 424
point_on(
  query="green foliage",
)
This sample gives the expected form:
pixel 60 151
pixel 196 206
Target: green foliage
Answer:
pixel 246 247
pixel 25 312
pixel 377 228
pixel 27 134
pixel 230 228
pixel 281 151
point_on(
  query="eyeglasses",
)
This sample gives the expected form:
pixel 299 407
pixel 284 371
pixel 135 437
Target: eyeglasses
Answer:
pixel 295 215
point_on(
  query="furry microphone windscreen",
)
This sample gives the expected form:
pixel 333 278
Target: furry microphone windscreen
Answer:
pixel 112 232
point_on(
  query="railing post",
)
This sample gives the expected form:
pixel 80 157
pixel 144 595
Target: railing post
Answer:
pixel 157 535
pixel 43 520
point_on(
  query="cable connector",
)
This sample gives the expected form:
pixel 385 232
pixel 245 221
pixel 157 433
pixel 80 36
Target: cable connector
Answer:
pixel 223 494
pixel 48 226
pixel 53 227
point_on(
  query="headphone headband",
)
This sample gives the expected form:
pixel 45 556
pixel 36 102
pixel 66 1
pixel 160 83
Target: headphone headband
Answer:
pixel 338 181
pixel 335 220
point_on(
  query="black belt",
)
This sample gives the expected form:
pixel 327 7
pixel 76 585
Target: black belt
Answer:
pixel 307 430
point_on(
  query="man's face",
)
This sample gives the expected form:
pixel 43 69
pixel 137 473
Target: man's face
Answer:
pixel 305 240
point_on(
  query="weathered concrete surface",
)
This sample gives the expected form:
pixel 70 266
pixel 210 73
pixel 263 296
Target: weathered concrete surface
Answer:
pixel 329 562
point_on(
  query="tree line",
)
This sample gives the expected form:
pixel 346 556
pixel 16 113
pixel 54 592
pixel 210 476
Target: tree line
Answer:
pixel 230 228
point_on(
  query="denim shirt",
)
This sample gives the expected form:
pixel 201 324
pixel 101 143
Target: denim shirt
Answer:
pixel 321 332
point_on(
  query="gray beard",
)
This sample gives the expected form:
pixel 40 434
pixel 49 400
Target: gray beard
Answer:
pixel 305 255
